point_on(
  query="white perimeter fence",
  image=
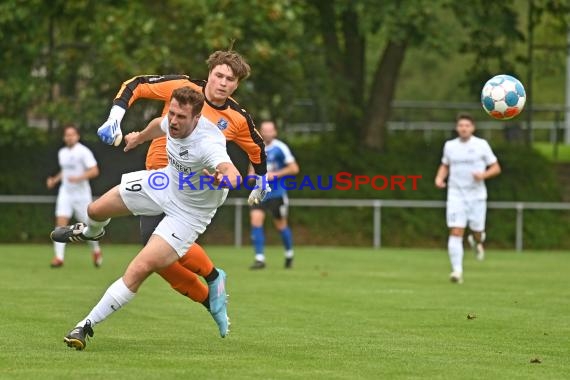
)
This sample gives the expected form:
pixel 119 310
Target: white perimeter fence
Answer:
pixel 376 204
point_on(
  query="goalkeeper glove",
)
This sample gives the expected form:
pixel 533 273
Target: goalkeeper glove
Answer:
pixel 110 132
pixel 260 191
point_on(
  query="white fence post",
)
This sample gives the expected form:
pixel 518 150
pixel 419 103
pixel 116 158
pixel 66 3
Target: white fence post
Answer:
pixel 377 225
pixel 519 227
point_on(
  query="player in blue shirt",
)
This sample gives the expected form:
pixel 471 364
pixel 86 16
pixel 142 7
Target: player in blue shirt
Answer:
pixel 280 163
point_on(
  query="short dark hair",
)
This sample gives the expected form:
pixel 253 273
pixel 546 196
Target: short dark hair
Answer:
pixel 465 116
pixel 70 126
pixel 231 58
pixel 186 95
pixel 268 121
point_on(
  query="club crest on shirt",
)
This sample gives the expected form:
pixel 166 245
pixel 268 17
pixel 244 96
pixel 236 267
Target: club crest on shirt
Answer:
pixel 222 124
pixel 183 153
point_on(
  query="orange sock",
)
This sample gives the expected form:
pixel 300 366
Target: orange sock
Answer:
pixel 185 282
pixel 197 261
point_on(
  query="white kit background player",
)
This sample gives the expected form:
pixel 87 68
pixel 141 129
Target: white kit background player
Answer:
pixel 466 163
pixel 77 166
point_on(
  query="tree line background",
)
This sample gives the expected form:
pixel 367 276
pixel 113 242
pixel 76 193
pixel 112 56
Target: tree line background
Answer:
pixel 64 60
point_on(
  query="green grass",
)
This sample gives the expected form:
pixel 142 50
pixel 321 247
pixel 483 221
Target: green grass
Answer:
pixel 548 151
pixel 339 314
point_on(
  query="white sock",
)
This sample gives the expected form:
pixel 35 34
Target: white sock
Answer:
pixel 289 254
pixel 116 296
pixel 94 246
pixel 94 227
pixel 455 248
pixel 259 257
pixel 59 249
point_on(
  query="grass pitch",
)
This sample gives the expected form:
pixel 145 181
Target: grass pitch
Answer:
pixel 341 313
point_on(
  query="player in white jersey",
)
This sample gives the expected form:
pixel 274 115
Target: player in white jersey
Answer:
pixel 466 163
pixel 195 148
pixel 77 166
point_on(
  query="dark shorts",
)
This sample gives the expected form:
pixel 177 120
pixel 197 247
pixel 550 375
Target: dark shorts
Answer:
pixel 148 225
pixel 278 207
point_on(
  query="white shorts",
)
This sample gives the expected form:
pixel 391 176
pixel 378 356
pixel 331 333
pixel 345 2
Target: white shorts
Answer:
pixel 180 227
pixel 462 213
pixel 68 205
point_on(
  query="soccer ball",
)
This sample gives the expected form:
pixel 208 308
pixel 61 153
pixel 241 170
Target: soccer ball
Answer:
pixel 503 97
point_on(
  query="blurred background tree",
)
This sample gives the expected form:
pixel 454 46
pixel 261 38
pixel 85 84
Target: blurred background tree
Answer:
pixel 64 61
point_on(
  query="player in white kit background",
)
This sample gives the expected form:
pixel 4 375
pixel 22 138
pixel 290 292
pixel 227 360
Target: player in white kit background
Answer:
pixel 466 163
pixel 77 166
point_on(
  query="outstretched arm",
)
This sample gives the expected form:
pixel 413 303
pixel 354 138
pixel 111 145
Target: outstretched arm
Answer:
pixel 151 132
pixel 249 140
pixel 158 87
pixel 226 172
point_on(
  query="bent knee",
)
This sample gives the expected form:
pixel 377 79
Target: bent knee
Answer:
pixel 457 231
pixel 280 224
pixel 93 211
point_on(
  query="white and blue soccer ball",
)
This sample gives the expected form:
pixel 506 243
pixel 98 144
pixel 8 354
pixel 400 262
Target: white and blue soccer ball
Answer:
pixel 503 97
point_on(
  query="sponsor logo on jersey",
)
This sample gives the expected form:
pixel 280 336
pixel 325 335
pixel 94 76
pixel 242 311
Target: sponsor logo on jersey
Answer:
pixel 465 161
pixel 178 165
pixel 222 124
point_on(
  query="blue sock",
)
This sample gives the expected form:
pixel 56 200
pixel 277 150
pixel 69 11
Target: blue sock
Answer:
pixel 258 239
pixel 287 238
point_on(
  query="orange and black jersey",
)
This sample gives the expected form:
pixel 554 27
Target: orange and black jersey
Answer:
pixel 233 121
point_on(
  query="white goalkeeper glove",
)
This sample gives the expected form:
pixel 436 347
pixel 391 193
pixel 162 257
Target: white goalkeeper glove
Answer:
pixel 260 191
pixel 110 132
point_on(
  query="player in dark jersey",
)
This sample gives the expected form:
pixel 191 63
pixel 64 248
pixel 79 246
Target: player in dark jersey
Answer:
pixel 280 163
